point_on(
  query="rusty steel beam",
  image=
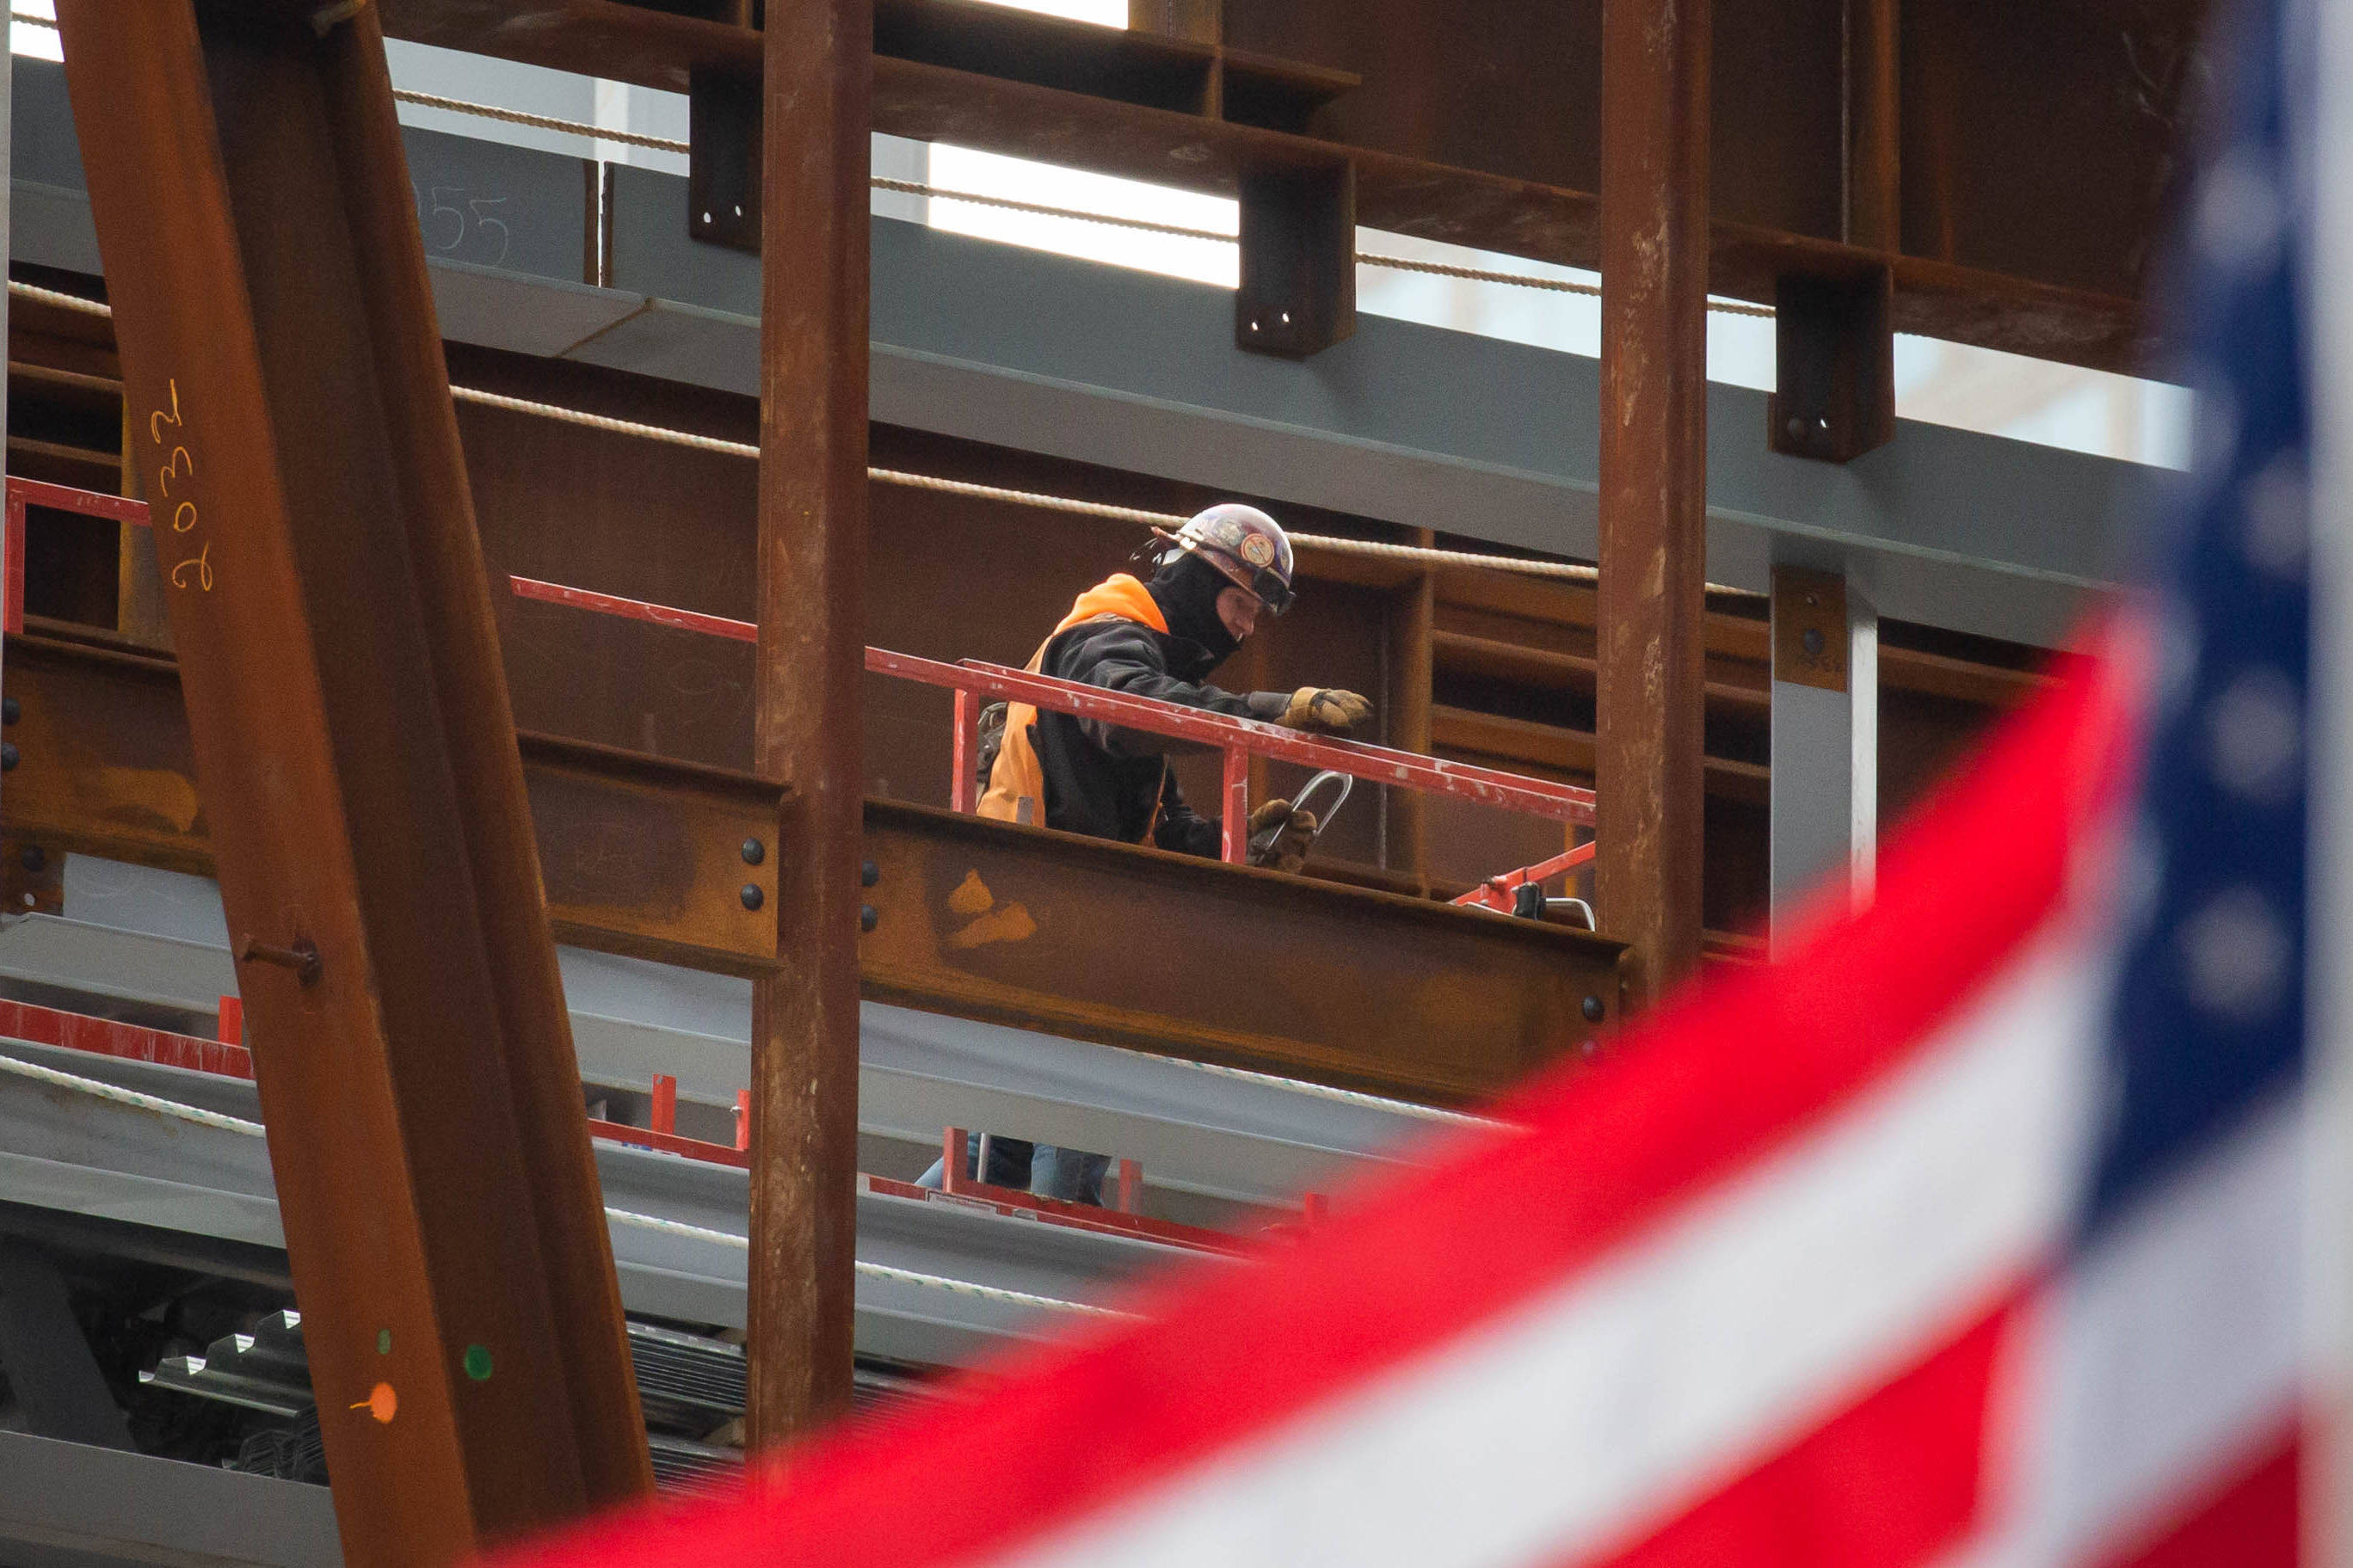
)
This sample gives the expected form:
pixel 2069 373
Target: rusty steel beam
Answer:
pixel 653 858
pixel 357 770
pixel 1360 990
pixel 1221 963
pixel 1873 168
pixel 1515 217
pixel 1651 613
pixel 808 669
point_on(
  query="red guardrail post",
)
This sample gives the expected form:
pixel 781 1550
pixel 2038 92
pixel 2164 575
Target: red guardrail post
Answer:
pixel 12 562
pixel 964 784
pixel 663 1117
pixel 1236 807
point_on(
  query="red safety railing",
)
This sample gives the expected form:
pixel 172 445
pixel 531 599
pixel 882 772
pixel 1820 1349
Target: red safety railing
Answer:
pixel 23 493
pixel 228 1058
pixel 1238 740
pixel 1495 892
pixel 976 680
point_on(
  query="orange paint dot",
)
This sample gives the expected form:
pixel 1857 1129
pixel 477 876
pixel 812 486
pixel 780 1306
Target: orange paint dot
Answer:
pixel 383 1403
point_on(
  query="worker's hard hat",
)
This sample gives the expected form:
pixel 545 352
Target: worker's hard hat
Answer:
pixel 1245 544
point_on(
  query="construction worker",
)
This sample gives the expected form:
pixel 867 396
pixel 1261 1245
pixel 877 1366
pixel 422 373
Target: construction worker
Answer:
pixel 1211 581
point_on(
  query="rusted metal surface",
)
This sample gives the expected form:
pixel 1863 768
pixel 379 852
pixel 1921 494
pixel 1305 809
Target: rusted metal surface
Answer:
pixel 358 771
pixel 1297 294
pixel 1652 605
pixel 105 769
pixel 1833 395
pixel 650 857
pixel 32 877
pixel 1810 628
pixel 810 570
pixel 2048 140
pixel 722 175
pixel 1447 170
pixel 640 855
pixel 1253 969
pixel 103 761
pixel 1874 125
pixel 1834 386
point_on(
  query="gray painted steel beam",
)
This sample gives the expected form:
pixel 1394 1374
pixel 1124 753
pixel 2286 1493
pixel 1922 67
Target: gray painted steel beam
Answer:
pixel 72 1151
pixel 66 1505
pixel 55 1377
pixel 1824 810
pixel 156 937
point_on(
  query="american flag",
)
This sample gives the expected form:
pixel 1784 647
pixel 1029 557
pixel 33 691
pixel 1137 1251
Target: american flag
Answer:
pixel 1969 1235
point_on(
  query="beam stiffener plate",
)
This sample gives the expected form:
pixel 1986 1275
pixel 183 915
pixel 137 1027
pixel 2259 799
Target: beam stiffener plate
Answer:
pixel 723 167
pixel 1298 290
pixel 1834 344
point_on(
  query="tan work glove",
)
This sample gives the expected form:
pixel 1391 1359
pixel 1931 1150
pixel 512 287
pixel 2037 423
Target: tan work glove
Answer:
pixel 1279 835
pixel 1325 708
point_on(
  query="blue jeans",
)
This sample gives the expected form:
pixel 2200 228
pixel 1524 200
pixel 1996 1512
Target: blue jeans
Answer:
pixel 1071 1175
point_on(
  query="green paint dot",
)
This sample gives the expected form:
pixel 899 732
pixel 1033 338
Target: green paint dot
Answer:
pixel 478 1363
pixel 383 1341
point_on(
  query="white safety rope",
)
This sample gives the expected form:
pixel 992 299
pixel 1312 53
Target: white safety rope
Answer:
pixel 537 121
pixel 1567 570
pixel 1112 220
pixel 874 1270
pixel 606 422
pixel 64 301
pixel 121 1096
pixel 200 1117
pixel 1325 1091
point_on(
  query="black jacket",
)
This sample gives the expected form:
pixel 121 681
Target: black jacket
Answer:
pixel 1103 780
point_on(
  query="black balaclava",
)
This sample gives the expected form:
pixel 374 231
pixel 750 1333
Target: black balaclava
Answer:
pixel 1187 587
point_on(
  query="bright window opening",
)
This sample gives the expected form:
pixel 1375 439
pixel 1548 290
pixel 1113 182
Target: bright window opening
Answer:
pixel 1104 13
pixel 31 39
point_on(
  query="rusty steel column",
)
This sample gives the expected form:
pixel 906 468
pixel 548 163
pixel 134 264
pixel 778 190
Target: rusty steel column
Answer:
pixel 1654 251
pixel 812 573
pixel 358 771
pixel 1875 134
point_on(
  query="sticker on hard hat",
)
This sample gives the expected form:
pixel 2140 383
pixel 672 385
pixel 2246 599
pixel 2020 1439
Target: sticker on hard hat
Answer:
pixel 1258 549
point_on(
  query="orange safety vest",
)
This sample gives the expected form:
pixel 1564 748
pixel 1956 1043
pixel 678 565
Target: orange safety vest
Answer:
pixel 1017 785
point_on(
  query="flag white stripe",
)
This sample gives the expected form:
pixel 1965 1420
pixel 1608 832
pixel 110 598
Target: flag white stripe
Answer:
pixel 1599 1409
pixel 2165 1353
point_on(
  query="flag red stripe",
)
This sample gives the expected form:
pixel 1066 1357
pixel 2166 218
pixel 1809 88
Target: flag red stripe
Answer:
pixel 1891 1480
pixel 1683 1102
pixel 2250 1518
